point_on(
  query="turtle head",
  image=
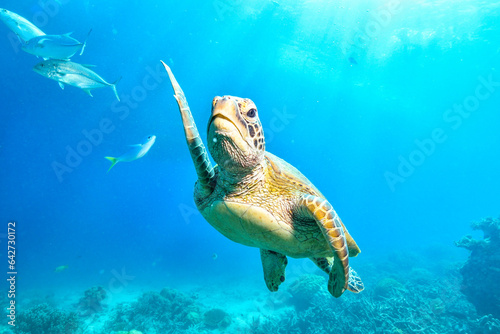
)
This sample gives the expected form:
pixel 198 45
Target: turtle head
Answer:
pixel 235 134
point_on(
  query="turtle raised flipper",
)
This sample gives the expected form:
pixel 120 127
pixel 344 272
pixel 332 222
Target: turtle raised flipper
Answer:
pixel 274 268
pixel 199 154
pixel 329 224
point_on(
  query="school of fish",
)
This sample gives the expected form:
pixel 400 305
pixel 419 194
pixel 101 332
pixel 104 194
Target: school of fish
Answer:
pixel 56 51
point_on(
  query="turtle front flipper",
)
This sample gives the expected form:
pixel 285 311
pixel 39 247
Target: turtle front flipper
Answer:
pixel 354 284
pixel 274 268
pixel 328 221
pixel 352 247
pixel 199 154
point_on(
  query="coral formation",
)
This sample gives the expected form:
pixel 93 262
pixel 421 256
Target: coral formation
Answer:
pixel 408 311
pixel 304 289
pixel 481 272
pixel 216 318
pixel 421 275
pixel 91 302
pixel 411 301
pixel 387 287
pixel 44 319
pixel 153 311
pixel 417 299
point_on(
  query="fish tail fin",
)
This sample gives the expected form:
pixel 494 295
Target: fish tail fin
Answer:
pixel 85 42
pixel 114 162
pixel 113 85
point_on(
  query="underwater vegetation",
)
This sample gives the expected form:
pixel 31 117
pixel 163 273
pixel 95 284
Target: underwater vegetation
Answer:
pixel 481 272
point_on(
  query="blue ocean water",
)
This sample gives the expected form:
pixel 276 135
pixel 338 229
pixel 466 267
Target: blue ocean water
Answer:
pixel 391 108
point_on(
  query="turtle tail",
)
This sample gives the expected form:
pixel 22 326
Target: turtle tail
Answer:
pixel 114 162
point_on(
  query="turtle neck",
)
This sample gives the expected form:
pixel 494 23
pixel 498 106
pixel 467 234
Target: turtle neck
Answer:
pixel 236 183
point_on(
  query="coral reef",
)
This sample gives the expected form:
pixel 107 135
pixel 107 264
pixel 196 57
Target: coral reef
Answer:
pixel 406 311
pixel 304 289
pixel 91 302
pixel 387 287
pixel 44 319
pixel 416 299
pixel 481 272
pixel 153 311
pixel 216 318
pixel 421 275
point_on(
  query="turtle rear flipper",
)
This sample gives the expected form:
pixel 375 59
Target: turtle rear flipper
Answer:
pixel 354 284
pixel 274 268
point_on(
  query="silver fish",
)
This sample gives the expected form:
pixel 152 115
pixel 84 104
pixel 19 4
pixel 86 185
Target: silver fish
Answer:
pixel 60 47
pixel 19 25
pixel 137 151
pixel 67 72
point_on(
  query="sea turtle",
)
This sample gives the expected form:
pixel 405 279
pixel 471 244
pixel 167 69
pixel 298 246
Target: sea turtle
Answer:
pixel 257 199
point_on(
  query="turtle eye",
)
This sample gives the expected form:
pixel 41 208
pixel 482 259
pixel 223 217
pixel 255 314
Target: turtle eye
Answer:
pixel 252 113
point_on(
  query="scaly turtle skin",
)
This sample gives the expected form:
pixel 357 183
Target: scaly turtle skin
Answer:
pixel 257 199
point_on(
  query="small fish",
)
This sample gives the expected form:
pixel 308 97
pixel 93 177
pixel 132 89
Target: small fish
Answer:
pixel 61 268
pixel 214 256
pixel 352 60
pixel 60 47
pixel 67 72
pixel 138 151
pixel 19 25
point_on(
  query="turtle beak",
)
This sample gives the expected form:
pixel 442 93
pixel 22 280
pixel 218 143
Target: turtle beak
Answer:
pixel 214 102
pixel 220 107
